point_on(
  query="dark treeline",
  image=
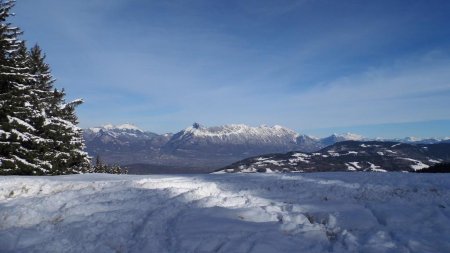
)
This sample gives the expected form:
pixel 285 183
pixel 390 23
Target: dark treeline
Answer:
pixel 437 168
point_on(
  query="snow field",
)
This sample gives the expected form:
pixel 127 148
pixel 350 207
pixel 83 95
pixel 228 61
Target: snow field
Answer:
pixel 317 212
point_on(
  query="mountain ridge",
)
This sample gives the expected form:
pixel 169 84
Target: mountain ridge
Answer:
pixel 349 156
pixel 197 146
pixel 201 130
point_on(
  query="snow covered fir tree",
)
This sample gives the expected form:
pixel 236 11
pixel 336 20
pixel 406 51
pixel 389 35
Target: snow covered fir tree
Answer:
pixel 38 132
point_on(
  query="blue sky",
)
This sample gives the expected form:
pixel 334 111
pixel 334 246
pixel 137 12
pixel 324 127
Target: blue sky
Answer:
pixel 377 68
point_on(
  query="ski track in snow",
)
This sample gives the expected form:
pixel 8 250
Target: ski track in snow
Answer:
pixel 317 212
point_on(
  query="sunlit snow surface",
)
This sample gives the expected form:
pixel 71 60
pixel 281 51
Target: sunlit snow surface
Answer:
pixel 317 212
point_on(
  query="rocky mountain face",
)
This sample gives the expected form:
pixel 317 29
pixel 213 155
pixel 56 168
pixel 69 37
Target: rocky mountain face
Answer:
pixel 123 144
pixel 235 140
pixel 197 148
pixel 121 138
pixel 350 156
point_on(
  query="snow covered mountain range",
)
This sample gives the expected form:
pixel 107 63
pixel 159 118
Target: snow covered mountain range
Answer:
pixel 199 148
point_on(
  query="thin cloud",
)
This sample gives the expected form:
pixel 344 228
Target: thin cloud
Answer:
pixel 303 64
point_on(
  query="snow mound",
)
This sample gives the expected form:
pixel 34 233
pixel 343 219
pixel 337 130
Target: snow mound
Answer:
pixel 317 212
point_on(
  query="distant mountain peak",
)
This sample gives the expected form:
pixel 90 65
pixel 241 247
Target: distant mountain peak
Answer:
pixel 238 129
pixel 310 137
pixel 107 126
pixel 352 136
pixel 196 125
pixel 126 126
pixel 411 139
pixel 347 136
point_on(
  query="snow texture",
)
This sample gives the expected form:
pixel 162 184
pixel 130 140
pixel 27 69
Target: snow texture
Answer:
pixel 223 132
pixel 277 138
pixel 349 136
pixel 418 166
pixel 316 212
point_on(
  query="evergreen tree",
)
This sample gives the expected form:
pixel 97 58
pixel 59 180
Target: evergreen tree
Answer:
pixel 101 167
pixel 38 132
pixel 19 143
pixel 65 152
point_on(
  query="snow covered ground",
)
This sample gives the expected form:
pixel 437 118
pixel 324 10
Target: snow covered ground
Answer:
pixel 317 212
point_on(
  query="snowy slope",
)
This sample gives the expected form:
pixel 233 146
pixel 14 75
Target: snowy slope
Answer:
pixel 318 212
pixel 122 144
pixel 334 138
pixel 239 133
pixel 123 127
pixel 119 131
pixel 349 156
pixel 235 138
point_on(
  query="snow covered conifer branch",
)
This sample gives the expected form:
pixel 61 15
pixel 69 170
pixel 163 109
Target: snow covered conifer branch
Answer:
pixel 38 132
